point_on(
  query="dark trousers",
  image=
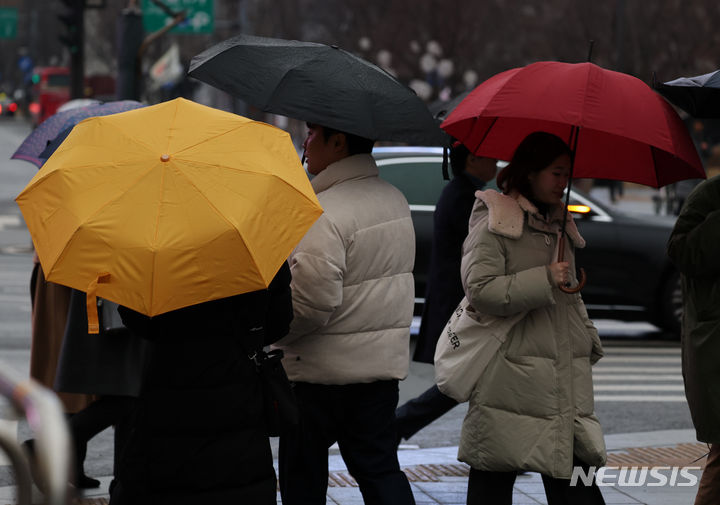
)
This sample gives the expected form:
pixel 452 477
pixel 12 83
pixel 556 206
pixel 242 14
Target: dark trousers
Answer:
pixel 101 414
pixel 496 488
pixel 417 413
pixel 361 419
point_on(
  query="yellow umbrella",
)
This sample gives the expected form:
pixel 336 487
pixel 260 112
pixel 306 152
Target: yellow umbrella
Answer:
pixel 168 206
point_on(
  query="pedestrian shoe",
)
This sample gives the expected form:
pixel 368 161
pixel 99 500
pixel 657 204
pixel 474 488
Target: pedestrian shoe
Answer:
pixel 85 482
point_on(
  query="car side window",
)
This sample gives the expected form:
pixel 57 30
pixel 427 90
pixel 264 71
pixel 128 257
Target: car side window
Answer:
pixel 419 180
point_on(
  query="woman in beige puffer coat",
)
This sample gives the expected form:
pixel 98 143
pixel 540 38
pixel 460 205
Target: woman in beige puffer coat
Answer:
pixel 532 409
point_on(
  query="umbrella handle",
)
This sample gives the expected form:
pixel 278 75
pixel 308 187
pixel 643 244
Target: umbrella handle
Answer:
pixel 583 278
pixel 581 284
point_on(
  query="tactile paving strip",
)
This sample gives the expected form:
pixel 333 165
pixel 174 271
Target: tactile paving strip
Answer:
pixel 677 455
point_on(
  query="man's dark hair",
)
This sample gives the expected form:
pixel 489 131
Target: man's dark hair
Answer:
pixel 534 153
pixel 458 159
pixel 355 143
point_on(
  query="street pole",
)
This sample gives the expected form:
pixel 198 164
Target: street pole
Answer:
pixel 77 59
pixel 74 40
pixel 132 44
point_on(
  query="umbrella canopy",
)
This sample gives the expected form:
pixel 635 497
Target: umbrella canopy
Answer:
pixel 37 141
pixel 320 84
pixel 168 206
pixel 699 96
pixel 78 102
pixel 442 109
pixel 618 127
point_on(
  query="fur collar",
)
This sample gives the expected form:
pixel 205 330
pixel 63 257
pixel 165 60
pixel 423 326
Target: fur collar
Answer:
pixel 506 215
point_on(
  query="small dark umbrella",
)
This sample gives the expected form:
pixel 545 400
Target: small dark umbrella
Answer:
pixel 319 84
pixel 37 141
pixel 699 96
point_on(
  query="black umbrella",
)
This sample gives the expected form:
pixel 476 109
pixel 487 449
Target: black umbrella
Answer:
pixel 698 96
pixel 320 84
pixel 441 109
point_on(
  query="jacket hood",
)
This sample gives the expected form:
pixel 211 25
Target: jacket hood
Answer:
pixel 506 215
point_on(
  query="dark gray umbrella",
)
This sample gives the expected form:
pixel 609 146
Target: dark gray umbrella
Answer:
pixel 442 109
pixel 698 96
pixel 319 84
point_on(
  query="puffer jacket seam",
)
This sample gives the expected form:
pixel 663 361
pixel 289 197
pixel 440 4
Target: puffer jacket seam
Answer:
pixel 362 332
pixel 380 277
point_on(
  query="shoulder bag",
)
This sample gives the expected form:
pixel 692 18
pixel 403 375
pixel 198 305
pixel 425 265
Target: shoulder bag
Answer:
pixel 466 346
pixel 279 402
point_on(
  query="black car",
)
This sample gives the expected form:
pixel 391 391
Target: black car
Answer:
pixel 629 275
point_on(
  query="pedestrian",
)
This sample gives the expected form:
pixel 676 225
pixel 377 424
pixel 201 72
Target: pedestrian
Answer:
pixel 532 409
pixel 444 287
pixel 108 365
pixel 198 433
pixel 348 344
pixel 694 247
pixel 50 304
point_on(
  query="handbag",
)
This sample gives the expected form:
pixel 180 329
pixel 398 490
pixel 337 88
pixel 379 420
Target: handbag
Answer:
pixel 468 342
pixel 280 406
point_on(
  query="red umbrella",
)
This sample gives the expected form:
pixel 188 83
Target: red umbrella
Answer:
pixel 625 131
pixel 616 125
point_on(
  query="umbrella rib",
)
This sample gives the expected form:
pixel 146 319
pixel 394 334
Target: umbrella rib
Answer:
pixel 96 212
pixel 157 232
pixel 276 87
pixel 220 214
pixel 226 132
pixel 654 172
pixel 270 174
pixel 136 140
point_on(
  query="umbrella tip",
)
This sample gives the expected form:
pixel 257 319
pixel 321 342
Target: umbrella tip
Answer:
pixel 165 157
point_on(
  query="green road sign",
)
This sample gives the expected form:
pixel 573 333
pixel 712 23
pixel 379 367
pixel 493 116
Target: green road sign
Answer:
pixel 199 19
pixel 8 22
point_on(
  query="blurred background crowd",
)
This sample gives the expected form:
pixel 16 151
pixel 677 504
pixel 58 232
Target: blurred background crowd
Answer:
pixel 140 49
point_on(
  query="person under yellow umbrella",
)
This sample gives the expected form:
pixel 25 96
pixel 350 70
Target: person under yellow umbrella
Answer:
pixel 184 215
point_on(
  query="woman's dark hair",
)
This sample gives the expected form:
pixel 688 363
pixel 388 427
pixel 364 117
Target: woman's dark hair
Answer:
pixel 355 143
pixel 534 153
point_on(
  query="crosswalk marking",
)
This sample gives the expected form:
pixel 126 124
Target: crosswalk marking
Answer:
pixel 9 220
pixel 639 374
pixel 640 359
pixel 640 398
pixel 615 350
pixel 636 377
pixel 643 369
pixel 639 387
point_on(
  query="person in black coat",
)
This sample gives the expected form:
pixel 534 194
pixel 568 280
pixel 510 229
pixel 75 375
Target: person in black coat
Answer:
pixel 198 433
pixel 444 288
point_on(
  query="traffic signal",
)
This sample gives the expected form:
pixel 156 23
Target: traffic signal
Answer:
pixel 72 18
pixel 73 39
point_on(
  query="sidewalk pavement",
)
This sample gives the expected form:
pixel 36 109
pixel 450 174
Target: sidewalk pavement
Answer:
pixel 436 477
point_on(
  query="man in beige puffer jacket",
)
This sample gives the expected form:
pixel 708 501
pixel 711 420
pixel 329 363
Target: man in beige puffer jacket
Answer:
pixel 348 344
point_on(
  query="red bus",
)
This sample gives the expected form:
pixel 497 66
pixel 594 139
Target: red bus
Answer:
pixel 51 89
